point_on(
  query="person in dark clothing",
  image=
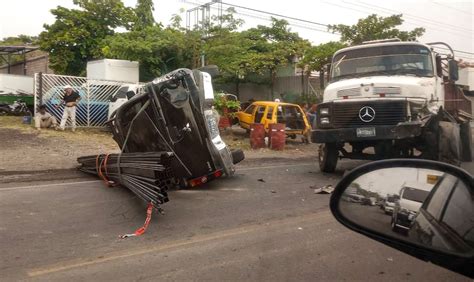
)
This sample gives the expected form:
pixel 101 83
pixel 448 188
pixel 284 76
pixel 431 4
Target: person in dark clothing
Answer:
pixel 70 100
pixel 311 114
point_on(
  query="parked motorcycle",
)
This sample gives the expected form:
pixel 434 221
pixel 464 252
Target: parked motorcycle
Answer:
pixel 18 108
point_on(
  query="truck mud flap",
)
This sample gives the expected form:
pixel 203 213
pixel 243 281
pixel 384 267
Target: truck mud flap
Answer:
pixel 449 142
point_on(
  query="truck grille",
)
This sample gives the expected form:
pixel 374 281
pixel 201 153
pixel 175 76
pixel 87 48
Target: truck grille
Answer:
pixel 346 114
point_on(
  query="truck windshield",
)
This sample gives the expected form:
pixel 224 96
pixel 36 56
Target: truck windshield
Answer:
pixel 382 60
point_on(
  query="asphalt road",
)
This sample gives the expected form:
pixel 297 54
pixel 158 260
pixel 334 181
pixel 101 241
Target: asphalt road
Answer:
pixel 232 229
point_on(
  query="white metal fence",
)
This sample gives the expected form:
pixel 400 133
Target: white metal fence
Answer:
pixel 92 110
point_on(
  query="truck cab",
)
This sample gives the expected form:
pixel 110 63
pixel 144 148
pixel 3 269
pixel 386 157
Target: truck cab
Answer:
pixel 389 99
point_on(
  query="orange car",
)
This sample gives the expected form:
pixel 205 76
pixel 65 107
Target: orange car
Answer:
pixel 276 112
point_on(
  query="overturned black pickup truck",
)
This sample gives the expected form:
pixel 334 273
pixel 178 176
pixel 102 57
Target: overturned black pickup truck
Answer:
pixel 168 136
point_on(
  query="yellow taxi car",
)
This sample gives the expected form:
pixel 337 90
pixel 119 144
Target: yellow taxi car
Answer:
pixel 266 113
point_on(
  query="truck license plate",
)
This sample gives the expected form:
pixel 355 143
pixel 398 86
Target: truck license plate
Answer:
pixel 366 132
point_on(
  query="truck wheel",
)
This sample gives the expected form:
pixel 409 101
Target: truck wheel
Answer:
pixel 395 228
pixel 466 142
pixel 328 155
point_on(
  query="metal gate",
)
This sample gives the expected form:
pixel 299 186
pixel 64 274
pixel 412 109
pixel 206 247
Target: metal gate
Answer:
pixel 92 109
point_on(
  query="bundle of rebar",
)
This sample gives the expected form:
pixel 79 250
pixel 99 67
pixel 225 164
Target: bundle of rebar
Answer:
pixel 146 174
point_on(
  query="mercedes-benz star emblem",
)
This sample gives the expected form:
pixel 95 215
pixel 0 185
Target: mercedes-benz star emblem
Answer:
pixel 366 114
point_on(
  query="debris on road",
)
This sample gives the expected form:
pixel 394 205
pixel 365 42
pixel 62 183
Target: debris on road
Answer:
pixel 168 136
pixel 328 189
pixel 261 180
pixel 148 175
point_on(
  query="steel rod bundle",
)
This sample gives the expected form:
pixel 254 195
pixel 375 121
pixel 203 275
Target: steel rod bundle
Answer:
pixel 146 174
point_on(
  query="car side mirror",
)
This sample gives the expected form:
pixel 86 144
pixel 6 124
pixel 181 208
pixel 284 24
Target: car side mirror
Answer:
pixel 453 70
pixel 433 219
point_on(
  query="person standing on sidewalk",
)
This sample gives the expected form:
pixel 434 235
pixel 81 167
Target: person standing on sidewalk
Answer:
pixel 70 100
pixel 43 119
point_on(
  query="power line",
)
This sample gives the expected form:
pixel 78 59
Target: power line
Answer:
pixel 367 13
pixel 293 19
pixel 452 8
pixel 257 16
pixel 277 15
pixel 415 17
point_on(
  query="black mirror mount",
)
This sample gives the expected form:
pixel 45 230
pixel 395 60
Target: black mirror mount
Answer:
pixel 321 79
pixel 461 263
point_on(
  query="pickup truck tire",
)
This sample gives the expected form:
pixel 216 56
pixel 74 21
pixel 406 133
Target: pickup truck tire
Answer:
pixel 328 155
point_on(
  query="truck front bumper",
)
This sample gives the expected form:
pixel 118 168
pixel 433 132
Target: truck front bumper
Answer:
pixel 382 132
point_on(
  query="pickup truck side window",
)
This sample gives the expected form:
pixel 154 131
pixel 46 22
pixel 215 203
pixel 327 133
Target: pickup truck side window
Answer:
pixel 269 113
pixel 259 114
pixel 250 109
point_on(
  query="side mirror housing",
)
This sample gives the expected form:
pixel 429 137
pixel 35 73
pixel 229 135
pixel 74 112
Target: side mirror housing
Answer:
pixel 453 70
pixel 433 219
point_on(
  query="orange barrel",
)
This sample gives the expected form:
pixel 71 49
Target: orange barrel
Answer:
pixel 277 136
pixel 224 122
pixel 257 135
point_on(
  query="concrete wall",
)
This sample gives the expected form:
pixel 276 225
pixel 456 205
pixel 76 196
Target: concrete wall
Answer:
pixel 285 88
pixel 10 83
pixel 33 65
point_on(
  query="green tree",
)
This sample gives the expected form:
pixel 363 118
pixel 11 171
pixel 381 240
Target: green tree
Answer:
pixel 19 40
pixel 316 57
pixel 144 12
pixel 158 50
pixel 373 28
pixel 274 46
pixel 75 37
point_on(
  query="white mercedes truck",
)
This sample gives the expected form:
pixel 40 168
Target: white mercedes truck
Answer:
pixel 393 99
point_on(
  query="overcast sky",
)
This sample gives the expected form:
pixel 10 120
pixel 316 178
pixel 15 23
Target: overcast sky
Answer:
pixel 448 21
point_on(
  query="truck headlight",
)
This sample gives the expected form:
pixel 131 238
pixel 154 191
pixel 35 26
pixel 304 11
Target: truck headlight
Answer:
pixel 324 111
pixel 324 120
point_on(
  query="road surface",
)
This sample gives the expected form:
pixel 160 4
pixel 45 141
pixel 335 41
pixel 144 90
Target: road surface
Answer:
pixel 263 224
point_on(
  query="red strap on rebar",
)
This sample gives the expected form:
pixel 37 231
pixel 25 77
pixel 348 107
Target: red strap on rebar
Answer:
pixel 103 176
pixel 142 229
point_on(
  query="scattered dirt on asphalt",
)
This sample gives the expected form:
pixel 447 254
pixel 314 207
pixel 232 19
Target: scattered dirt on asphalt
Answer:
pixel 25 149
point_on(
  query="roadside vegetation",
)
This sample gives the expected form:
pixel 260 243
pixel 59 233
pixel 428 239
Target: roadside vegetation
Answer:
pixel 91 31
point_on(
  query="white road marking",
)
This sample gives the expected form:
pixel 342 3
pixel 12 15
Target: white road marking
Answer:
pixel 93 181
pixel 272 166
pixel 48 185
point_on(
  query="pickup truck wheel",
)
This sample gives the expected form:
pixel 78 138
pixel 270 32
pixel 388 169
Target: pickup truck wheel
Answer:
pixel 328 155
pixel 4 112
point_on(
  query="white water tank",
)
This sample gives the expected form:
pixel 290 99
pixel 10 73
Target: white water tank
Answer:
pixel 116 70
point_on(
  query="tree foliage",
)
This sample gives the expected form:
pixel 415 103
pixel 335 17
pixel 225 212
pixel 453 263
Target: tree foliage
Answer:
pixel 19 40
pixel 315 57
pixel 375 27
pixel 75 37
pixel 144 14
pixel 158 50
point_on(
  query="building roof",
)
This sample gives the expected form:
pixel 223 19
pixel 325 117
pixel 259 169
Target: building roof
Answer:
pixel 16 50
